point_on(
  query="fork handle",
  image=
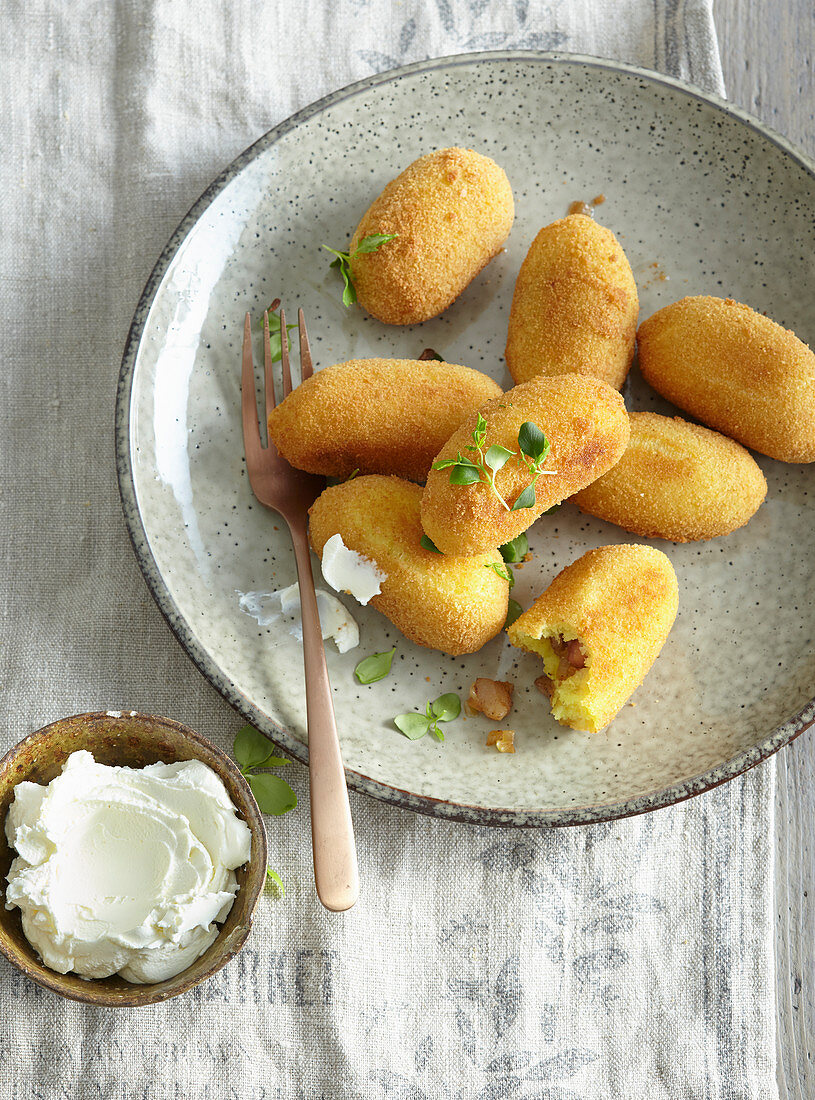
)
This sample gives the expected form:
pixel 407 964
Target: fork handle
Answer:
pixel 336 875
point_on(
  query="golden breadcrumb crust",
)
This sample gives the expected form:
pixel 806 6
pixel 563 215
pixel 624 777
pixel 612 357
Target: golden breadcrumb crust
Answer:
pixel 735 370
pixel 586 424
pixel 677 481
pixel 575 305
pixel 452 604
pixel 452 211
pixel 378 416
pixel 620 602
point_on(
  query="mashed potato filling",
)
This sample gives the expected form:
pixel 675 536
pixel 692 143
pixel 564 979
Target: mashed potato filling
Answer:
pixel 567 667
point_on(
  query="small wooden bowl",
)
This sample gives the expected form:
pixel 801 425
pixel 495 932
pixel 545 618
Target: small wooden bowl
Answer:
pixel 133 740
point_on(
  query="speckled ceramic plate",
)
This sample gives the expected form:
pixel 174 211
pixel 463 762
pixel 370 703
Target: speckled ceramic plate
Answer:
pixel 705 200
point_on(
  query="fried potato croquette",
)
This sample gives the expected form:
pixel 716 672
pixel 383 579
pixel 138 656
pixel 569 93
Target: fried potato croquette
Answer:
pixel 451 211
pixel 575 305
pixel 586 425
pixel 736 371
pixel 599 627
pixel 378 416
pixel 677 481
pixel 452 604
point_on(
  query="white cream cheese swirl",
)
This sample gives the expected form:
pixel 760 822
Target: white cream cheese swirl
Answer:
pixel 123 870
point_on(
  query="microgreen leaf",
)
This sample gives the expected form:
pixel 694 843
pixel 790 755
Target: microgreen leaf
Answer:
pixel 412 726
pixel 250 748
pixel 514 611
pixel 552 510
pixel 533 442
pixel 277 880
pixel 526 499
pixel 343 262
pixel 446 707
pixel 503 571
pixel 497 457
pixel 273 794
pixel 373 242
pixel 517 549
pixel 428 544
pixel 376 667
pixel 464 474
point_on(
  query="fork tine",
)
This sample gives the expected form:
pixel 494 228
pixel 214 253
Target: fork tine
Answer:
pixel 284 355
pixel 268 373
pixel 306 365
pixel 249 408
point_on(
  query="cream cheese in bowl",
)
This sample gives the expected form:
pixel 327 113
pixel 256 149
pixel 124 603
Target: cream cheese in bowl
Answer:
pixel 122 870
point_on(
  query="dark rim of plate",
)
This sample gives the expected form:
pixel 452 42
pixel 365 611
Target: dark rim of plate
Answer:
pixel 476 815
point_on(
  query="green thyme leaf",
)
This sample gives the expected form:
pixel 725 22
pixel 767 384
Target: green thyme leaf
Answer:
pixel 250 748
pixel 273 794
pixel 526 499
pixel 277 880
pixel 428 544
pixel 517 549
pixel 446 707
pixel 514 611
pixel 497 457
pixel 412 726
pixel 343 262
pixel 373 242
pixel 503 571
pixel 533 442
pixel 376 667
pixel 464 475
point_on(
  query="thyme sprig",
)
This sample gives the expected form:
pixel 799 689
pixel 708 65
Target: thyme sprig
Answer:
pixel 483 464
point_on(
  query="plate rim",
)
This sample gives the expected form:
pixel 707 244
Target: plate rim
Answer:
pixel 426 804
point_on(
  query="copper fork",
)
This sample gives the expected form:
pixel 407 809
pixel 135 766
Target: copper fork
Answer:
pixel 291 492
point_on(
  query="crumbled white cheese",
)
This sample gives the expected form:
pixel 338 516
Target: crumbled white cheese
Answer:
pixel 347 571
pixel 335 620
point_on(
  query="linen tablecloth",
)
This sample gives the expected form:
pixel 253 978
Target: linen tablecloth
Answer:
pixel 632 959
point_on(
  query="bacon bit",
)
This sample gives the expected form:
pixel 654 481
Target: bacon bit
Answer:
pixel 575 655
pixel 428 353
pixel 503 740
pixel 492 698
pixel 598 200
pixel 544 686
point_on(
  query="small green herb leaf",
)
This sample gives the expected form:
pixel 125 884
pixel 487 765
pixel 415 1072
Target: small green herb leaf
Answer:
pixel 497 457
pixel 464 474
pixel 503 571
pixel 533 442
pixel 517 549
pixel 552 510
pixel 373 242
pixel 250 748
pixel 526 499
pixel 437 733
pixel 428 544
pixel 413 726
pixel 376 667
pixel 273 794
pixel 514 611
pixel 446 707
pixel 277 880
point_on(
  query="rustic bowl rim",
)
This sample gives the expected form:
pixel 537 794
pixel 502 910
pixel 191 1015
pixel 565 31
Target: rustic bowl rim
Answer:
pixel 32 966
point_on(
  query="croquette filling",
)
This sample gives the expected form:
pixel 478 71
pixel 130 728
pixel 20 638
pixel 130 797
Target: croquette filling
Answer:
pixel 567 666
